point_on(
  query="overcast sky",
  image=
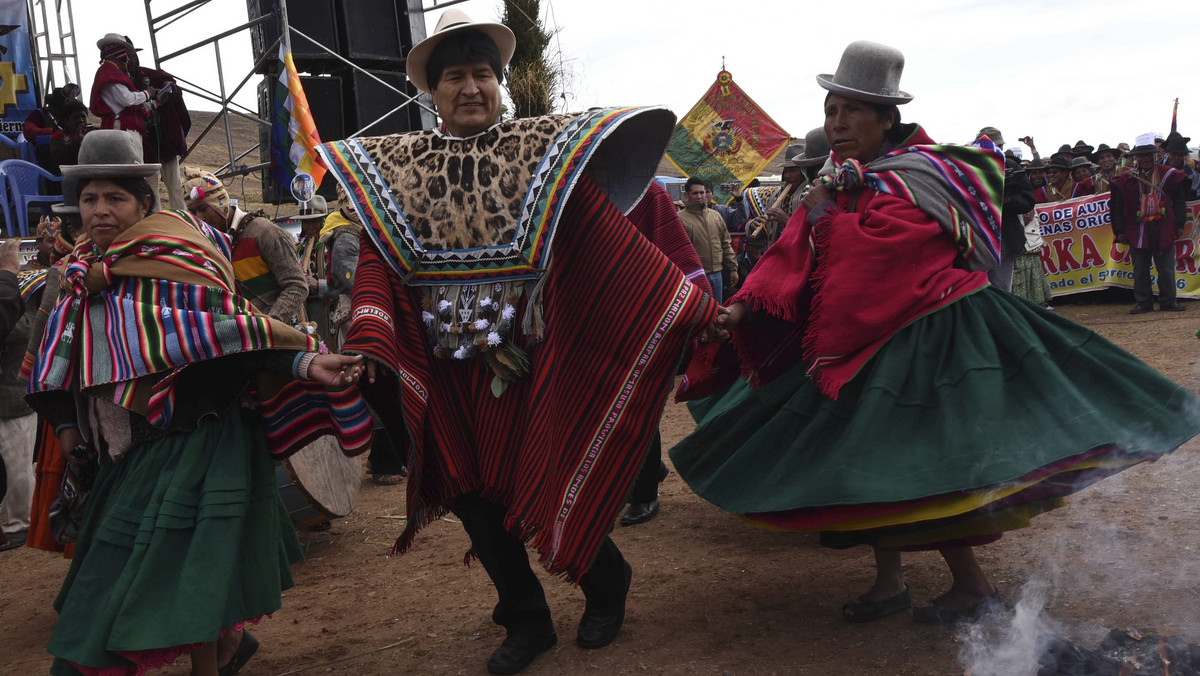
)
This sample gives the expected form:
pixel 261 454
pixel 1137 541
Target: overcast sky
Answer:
pixel 1098 70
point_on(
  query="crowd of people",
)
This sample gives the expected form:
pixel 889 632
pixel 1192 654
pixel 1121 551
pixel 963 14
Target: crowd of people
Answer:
pixel 145 102
pixel 159 360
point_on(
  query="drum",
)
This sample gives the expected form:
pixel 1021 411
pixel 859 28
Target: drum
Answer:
pixel 318 483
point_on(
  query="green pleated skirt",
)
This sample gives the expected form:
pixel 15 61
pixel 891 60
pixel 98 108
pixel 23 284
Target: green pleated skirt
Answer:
pixel 184 537
pixel 967 423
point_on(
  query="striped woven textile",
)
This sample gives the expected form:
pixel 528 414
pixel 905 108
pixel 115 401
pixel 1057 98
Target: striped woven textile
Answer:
pixel 561 446
pixel 658 221
pixel 29 282
pixel 162 300
pixel 961 187
pixel 252 270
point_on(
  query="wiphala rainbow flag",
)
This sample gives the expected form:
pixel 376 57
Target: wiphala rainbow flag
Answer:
pixel 725 138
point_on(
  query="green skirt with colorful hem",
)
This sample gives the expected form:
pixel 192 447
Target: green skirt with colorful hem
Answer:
pixel 966 424
pixel 184 537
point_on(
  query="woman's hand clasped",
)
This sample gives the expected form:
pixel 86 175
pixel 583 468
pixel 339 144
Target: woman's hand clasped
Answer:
pixel 727 320
pixel 818 193
pixel 336 371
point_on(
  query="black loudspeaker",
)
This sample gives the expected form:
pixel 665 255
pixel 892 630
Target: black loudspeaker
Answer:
pixel 373 100
pixel 371 30
pixel 325 96
pixel 318 19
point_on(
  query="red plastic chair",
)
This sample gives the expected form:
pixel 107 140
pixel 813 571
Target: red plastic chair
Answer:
pixel 21 181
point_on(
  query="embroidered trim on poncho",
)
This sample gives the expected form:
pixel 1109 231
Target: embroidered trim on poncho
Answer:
pixel 526 254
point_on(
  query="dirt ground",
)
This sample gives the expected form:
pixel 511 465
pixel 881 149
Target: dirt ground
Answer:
pixel 713 596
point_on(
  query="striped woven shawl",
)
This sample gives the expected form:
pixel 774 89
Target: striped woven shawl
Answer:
pixel 960 187
pixel 162 300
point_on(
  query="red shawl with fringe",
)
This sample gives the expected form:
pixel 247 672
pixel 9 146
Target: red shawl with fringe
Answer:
pixel 561 446
pixel 833 293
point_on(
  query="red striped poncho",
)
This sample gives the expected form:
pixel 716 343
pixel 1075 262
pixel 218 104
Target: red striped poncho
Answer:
pixel 562 445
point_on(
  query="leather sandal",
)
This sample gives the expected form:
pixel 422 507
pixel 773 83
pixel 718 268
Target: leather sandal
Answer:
pixel 869 611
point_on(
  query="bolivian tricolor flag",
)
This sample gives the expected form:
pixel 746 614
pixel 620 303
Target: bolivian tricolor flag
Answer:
pixel 294 138
pixel 725 138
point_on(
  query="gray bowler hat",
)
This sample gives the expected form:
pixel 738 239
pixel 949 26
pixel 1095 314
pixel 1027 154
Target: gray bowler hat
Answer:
pixel 992 133
pixel 110 153
pixel 868 72
pixel 816 149
pixel 792 153
pixel 70 193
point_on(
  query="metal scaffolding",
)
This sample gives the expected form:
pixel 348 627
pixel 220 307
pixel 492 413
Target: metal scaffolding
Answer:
pixel 224 95
pixel 52 42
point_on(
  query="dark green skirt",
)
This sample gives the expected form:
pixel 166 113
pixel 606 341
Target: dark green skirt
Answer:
pixel 988 405
pixel 184 537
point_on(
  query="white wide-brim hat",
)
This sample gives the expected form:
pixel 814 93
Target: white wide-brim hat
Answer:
pixel 113 39
pixel 868 72
pixel 455 21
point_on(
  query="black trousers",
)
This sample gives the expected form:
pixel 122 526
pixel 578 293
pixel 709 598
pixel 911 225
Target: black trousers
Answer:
pixel 387 453
pixel 645 487
pixel 522 605
pixel 1164 265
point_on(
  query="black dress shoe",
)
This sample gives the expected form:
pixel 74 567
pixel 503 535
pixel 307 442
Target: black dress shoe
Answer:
pixel 1172 306
pixel 600 624
pixel 245 650
pixel 1142 308
pixel 640 512
pixel 518 650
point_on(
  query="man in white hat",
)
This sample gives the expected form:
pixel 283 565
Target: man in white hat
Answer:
pixel 519 331
pixel 115 98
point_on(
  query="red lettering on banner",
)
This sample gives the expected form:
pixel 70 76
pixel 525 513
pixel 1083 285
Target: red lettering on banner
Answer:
pixel 1066 259
pixel 1185 256
pixel 1048 265
pixel 1091 255
pixel 1119 253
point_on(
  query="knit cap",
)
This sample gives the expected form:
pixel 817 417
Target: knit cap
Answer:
pixel 202 186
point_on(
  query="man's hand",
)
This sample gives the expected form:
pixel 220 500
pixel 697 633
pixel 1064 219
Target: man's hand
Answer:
pixel 778 215
pixel 712 333
pixel 313 284
pixel 731 317
pixel 733 277
pixel 10 255
pixel 152 92
pixel 336 371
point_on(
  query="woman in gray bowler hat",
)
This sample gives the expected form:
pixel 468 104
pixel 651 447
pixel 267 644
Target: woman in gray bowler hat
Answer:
pixel 147 365
pixel 892 397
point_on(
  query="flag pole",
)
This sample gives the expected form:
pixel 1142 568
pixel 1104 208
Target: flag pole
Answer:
pixel 1174 115
pixel 285 31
